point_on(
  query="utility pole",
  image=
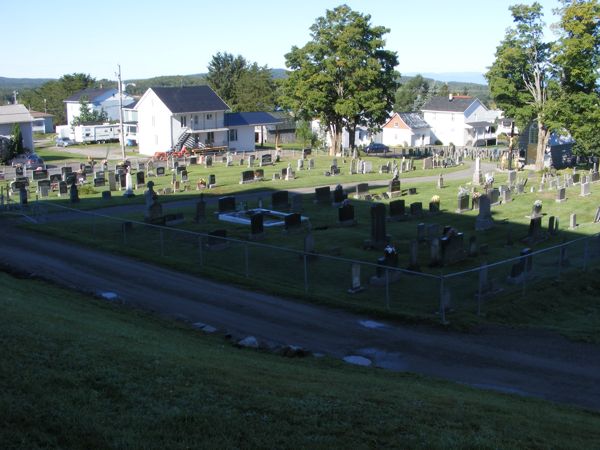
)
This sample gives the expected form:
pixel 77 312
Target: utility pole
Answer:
pixel 121 113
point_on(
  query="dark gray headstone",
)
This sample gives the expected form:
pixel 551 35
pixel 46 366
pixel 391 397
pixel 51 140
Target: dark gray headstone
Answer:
pixel 378 234
pixel 226 204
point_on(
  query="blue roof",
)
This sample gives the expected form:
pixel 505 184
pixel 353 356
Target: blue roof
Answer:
pixel 250 118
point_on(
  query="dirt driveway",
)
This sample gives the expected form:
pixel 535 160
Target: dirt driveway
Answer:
pixel 531 363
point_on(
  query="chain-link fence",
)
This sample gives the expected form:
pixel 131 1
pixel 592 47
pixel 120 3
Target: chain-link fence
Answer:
pixel 353 284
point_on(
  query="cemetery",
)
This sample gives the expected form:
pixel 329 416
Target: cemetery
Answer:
pixel 324 237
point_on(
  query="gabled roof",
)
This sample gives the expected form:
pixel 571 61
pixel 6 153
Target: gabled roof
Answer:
pixel 250 118
pixel 14 114
pixel 458 103
pixel 131 105
pixel 39 114
pixel 413 120
pixel 190 99
pixel 91 94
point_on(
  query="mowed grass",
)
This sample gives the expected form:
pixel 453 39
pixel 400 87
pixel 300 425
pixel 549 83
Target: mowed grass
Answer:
pixel 77 372
pixel 413 297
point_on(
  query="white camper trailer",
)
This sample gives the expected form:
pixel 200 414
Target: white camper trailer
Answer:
pixel 96 133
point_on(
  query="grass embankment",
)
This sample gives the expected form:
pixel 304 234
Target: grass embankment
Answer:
pixel 412 298
pixel 80 373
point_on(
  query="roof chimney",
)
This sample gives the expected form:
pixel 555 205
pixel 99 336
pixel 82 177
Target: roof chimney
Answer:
pixel 450 97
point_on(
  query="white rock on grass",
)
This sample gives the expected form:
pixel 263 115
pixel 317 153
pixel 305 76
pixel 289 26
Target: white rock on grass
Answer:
pixel 358 360
pixel 248 341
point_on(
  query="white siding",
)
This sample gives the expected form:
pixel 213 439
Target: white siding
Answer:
pixel 448 127
pixel 154 125
pixel 399 137
pixel 245 139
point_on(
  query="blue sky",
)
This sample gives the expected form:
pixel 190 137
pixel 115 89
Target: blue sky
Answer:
pixel 151 38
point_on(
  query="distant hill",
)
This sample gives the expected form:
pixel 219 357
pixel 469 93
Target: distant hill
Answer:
pixel 22 83
pixel 447 77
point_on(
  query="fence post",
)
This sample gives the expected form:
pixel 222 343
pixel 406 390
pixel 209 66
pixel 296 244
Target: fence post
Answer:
pixel 200 254
pixel 387 288
pixel 479 290
pixel 305 274
pixel 246 258
pixel 442 306
pixel 162 243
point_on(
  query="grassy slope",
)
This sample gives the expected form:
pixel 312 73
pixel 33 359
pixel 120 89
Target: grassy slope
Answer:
pixel 80 373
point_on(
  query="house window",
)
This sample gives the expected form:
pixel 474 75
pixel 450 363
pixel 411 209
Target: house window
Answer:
pixel 210 137
pixel 196 121
pixel 233 135
pixel 396 125
pixel 183 121
pixel 209 116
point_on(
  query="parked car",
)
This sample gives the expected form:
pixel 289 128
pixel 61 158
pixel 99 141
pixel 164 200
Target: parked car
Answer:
pixel 375 147
pixel 33 162
pixel 64 142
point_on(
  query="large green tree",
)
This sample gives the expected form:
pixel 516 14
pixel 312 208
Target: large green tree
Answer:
pixel 51 95
pixel 411 95
pixel 224 71
pixel 254 90
pixel 577 62
pixel 89 116
pixel 520 75
pixel 343 75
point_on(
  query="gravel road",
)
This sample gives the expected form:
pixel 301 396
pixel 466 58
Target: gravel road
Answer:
pixel 525 362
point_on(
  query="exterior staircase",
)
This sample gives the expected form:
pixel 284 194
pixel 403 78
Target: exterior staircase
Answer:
pixel 185 138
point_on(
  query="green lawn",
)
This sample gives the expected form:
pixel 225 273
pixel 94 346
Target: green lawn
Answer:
pixel 282 272
pixel 80 373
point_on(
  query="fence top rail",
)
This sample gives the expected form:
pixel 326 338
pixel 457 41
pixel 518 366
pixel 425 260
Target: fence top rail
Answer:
pixel 241 242
pixel 517 258
pixel 331 257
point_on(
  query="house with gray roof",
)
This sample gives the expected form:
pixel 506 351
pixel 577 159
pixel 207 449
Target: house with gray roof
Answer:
pixel 13 114
pixel 460 120
pixel 406 130
pixel 106 100
pixel 194 117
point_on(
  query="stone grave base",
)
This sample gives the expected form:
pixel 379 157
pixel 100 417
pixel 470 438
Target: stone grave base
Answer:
pixel 173 219
pixel 256 236
pixel 217 247
pixel 347 223
pixel 155 220
pixel 356 290
pixel 392 277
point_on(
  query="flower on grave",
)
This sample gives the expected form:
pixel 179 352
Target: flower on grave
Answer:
pixel 435 199
pixel 537 204
pixel 476 194
pixel 462 192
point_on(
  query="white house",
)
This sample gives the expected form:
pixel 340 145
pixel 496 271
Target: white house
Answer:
pixel 406 129
pixel 460 120
pixel 362 136
pixel 42 122
pixel 106 100
pixel 194 116
pixel 13 114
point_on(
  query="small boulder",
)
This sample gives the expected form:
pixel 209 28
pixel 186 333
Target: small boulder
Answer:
pixel 249 342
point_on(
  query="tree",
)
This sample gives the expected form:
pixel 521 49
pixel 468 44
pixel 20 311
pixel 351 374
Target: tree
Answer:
pixel 17 140
pixel 444 90
pixel 520 75
pixel 55 92
pixel 576 57
pixel 254 90
pixel 343 75
pixel 305 133
pixel 88 116
pixel 411 95
pixel 224 71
